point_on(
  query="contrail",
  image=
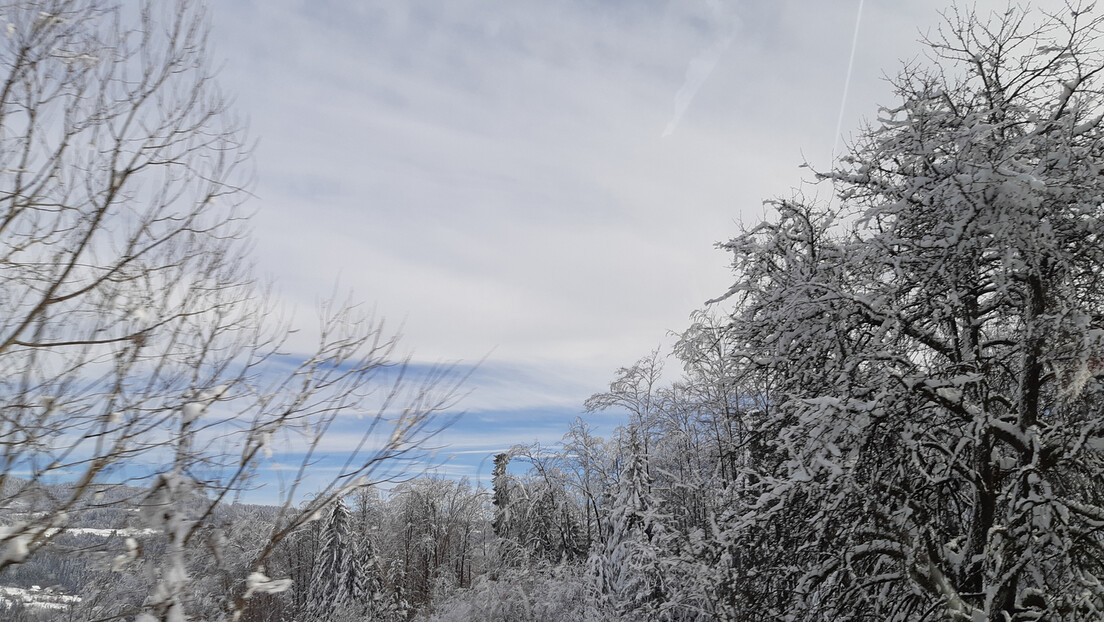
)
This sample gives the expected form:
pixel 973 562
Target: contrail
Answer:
pixel 699 68
pixel 697 72
pixel 847 84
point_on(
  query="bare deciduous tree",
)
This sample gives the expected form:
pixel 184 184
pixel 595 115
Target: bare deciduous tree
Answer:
pixel 135 343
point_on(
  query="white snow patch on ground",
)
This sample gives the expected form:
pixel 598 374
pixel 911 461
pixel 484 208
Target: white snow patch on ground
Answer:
pixel 35 597
pixel 104 533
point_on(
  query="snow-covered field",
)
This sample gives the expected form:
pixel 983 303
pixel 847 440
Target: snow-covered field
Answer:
pixel 35 597
pixel 105 533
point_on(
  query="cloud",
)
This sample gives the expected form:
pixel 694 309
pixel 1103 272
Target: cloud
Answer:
pixel 494 175
pixel 477 172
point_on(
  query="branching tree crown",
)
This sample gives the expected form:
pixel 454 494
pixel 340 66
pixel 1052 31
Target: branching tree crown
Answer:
pixel 933 341
pixel 134 340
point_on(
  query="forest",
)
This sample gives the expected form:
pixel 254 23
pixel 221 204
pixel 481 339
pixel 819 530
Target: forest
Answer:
pixel 895 412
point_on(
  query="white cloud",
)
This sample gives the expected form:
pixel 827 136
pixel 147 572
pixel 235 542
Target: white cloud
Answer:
pixel 495 175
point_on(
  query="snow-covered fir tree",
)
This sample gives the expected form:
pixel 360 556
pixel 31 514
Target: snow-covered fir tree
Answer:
pixel 503 516
pixel 374 600
pixel 347 583
pixel 627 568
pixel 332 583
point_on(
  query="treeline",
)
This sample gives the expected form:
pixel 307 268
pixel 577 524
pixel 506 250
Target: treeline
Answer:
pixel 626 527
pixel 364 557
pixel 638 525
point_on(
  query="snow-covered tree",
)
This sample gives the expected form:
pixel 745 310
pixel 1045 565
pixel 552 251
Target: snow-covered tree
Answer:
pixel 933 339
pixel 589 465
pixel 636 390
pixel 627 566
pixel 376 601
pixel 502 499
pixel 335 584
pixel 347 582
pixel 547 516
pixel 436 537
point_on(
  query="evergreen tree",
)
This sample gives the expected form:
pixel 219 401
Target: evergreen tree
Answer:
pixel 627 569
pixel 335 579
pixel 501 485
pixel 370 597
pixel 348 581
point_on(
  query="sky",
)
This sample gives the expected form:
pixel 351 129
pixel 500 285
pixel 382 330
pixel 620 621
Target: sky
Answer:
pixel 538 187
